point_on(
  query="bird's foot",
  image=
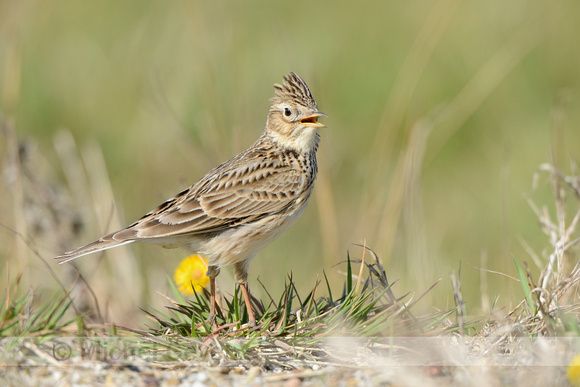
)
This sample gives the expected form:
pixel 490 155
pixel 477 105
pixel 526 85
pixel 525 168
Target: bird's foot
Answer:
pixel 212 321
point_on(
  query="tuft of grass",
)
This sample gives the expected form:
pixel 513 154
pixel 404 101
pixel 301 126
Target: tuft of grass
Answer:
pixel 292 323
pixel 553 298
pixel 20 317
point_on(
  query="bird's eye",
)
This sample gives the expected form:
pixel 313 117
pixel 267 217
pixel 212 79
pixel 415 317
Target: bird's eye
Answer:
pixel 287 112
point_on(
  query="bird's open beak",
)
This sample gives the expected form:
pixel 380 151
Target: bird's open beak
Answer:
pixel 311 120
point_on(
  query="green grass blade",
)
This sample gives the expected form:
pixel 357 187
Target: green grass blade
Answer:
pixel 525 286
pixel 348 275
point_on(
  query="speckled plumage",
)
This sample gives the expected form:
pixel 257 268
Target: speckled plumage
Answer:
pixel 243 204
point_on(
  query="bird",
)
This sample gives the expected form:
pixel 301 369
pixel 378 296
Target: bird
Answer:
pixel 243 204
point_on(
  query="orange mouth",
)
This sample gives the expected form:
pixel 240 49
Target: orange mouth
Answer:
pixel 313 120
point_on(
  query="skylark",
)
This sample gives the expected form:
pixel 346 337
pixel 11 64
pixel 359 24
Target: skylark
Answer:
pixel 243 204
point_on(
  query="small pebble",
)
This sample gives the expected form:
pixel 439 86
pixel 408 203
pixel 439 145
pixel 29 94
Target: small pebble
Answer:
pixel 253 373
pixel 294 382
pixel 109 381
pixel 172 382
pixel 202 377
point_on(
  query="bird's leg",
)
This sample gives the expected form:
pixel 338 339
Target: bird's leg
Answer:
pixel 212 311
pixel 241 274
pixel 251 317
pixel 212 272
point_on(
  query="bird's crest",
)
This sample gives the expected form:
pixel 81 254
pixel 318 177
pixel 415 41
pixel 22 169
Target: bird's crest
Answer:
pixel 294 89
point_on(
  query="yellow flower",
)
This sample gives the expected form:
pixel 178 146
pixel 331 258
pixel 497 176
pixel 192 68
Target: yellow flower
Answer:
pixel 573 371
pixel 191 274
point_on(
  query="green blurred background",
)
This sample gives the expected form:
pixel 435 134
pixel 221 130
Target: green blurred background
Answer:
pixel 439 114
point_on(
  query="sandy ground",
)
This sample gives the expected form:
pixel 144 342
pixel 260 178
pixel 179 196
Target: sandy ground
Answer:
pixel 98 373
pixel 338 362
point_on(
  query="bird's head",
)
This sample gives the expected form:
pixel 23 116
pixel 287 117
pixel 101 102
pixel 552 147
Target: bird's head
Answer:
pixel 293 116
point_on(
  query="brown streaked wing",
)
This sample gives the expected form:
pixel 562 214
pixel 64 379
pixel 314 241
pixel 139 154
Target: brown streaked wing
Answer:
pixel 236 196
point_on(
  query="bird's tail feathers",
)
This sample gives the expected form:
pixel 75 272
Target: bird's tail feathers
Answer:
pixel 103 243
